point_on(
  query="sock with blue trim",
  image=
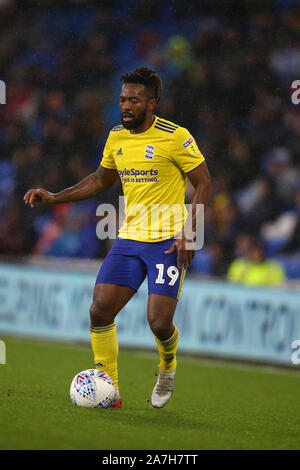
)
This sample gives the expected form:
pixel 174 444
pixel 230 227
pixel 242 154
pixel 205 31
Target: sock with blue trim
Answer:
pixel 105 348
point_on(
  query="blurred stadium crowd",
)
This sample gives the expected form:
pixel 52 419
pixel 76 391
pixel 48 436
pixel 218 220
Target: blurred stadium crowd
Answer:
pixel 227 69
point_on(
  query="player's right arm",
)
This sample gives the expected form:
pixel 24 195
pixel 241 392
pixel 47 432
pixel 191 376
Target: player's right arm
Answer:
pixel 95 183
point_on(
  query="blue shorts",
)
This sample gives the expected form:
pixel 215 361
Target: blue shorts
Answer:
pixel 130 261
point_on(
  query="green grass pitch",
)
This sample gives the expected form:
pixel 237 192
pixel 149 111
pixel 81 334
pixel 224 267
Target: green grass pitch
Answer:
pixel 216 405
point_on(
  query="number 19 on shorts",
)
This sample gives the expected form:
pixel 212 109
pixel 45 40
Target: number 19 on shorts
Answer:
pixel 172 273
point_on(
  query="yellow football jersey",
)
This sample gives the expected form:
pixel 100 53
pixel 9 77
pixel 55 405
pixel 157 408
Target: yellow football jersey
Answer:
pixel 152 166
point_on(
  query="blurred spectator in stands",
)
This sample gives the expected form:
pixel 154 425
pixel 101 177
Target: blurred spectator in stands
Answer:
pixel 221 227
pixel 239 265
pixel 292 122
pixel 241 162
pixel 8 182
pixel 283 175
pixel 226 224
pixel 255 269
pixel 70 232
pixel 283 235
pixel 293 241
pixel 16 234
pixel 49 228
pixel 219 259
pixel 258 203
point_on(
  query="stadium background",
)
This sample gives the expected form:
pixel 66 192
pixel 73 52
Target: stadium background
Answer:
pixel 227 69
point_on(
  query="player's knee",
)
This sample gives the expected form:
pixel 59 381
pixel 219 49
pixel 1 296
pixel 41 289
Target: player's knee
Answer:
pixel 160 326
pixel 101 312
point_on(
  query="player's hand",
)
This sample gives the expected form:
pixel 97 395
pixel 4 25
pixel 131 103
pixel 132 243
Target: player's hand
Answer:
pixel 38 195
pixel 185 251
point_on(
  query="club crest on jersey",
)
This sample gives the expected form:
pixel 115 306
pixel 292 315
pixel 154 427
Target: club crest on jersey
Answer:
pixel 149 152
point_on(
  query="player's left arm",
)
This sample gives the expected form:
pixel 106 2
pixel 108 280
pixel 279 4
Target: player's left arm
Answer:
pixel 201 181
pixel 186 155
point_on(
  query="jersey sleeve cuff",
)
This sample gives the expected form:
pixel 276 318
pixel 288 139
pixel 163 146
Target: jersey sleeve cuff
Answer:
pixel 108 167
pixel 186 172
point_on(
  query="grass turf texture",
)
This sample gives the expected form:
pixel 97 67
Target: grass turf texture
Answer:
pixel 216 405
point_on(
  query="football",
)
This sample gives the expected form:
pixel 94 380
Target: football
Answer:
pixel 92 388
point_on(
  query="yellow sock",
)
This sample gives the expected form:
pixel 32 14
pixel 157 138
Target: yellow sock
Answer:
pixel 105 348
pixel 167 351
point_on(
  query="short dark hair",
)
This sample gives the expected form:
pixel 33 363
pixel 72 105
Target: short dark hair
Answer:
pixel 146 77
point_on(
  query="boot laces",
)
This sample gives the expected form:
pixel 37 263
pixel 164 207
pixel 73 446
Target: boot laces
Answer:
pixel 164 384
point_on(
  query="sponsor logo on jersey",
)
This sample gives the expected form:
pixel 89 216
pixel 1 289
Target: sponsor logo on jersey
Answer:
pixel 134 172
pixel 120 152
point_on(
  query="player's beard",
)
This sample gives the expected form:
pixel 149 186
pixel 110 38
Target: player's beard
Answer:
pixel 136 121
